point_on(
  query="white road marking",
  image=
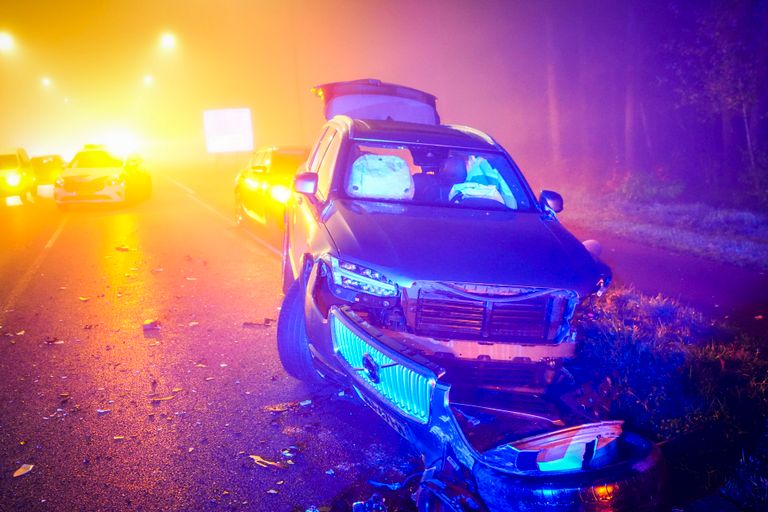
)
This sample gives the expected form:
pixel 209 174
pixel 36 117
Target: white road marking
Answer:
pixel 226 218
pixel 181 186
pixel 56 234
pixel 31 271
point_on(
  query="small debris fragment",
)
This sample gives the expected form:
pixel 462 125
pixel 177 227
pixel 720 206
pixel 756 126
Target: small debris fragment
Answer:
pixel 21 332
pixel 151 325
pixel 23 470
pixel 272 491
pixel 759 317
pixel 122 248
pixel 200 365
pixel 103 411
pixel 281 407
pixel 157 270
pixel 209 379
pixel 305 403
pixel 223 365
pixel 193 324
pixel 177 390
pixel 191 279
pixel 64 395
pixel 157 400
pixel 268 322
pixel 53 340
pixel 330 472
pixel 264 463
pixel 118 438
pixel 190 449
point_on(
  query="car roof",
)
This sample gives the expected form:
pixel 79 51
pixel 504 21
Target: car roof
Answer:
pixel 395 131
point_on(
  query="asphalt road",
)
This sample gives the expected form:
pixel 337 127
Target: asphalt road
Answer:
pixel 113 417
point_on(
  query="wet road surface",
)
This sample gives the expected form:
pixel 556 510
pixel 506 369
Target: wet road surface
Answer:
pixel 116 417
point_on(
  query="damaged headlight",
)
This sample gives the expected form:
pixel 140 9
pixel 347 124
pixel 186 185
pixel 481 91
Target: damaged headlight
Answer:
pixel 359 278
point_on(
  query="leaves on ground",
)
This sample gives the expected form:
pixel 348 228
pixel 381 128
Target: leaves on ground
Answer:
pixel 265 463
pixel 23 470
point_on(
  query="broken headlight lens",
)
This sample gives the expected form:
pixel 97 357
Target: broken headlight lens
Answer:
pixel 359 278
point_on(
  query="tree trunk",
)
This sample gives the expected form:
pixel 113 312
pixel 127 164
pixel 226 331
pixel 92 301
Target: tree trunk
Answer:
pixel 552 106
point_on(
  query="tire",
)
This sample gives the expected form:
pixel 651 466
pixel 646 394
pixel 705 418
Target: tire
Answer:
pixel 292 339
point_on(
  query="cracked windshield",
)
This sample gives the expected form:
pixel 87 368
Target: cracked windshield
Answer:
pixel 388 256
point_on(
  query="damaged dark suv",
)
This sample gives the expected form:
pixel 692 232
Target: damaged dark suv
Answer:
pixel 420 269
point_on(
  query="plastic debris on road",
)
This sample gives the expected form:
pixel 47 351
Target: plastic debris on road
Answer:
pixel 151 325
pixel 373 504
pixel 23 470
pixel 264 463
pixel 103 411
pixel 53 340
pixel 193 324
pixel 84 299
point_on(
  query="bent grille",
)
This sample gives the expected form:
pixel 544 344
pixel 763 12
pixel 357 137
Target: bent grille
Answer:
pixel 542 317
pixel 402 387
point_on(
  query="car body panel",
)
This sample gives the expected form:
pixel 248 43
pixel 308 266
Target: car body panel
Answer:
pixel 264 185
pixel 411 243
pixel 96 176
pixel 16 175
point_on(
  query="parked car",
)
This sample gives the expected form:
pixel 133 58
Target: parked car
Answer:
pixel 16 176
pixel 96 176
pixel 420 269
pixel 47 168
pixel 263 188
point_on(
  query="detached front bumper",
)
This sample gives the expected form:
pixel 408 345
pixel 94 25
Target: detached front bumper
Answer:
pixel 588 463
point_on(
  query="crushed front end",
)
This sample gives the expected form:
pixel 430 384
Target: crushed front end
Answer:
pixel 473 376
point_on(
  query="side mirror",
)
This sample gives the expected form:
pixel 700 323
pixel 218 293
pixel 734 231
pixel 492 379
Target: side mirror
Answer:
pixel 551 200
pixel 305 183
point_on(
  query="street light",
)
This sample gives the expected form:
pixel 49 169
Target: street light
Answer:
pixel 46 82
pixel 6 42
pixel 167 41
pixel 149 80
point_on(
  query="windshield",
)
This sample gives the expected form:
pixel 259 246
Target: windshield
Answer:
pixel 434 175
pixel 95 159
pixel 8 162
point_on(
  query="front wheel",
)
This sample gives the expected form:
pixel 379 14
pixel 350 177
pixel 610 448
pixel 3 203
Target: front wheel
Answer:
pixel 292 339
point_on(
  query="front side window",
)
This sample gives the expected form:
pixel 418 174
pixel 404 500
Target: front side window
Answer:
pixel 434 175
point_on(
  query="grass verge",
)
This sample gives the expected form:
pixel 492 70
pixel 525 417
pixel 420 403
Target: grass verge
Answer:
pixel 698 388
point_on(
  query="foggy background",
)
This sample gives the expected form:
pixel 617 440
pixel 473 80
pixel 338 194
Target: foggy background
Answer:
pixel 662 96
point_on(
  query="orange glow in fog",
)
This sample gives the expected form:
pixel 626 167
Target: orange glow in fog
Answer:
pixel 280 193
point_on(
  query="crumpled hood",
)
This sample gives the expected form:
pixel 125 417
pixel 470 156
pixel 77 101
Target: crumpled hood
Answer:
pixel 416 242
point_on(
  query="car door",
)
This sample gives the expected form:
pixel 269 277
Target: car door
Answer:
pixel 302 217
